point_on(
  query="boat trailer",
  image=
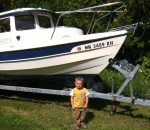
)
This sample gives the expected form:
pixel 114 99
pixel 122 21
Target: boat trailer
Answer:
pixel 123 67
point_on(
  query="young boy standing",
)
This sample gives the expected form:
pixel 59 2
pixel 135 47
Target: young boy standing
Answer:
pixel 79 102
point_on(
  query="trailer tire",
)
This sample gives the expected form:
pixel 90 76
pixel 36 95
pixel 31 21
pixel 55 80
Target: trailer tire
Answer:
pixel 95 84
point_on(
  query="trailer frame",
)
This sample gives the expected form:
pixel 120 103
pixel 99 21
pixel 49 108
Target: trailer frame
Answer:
pixel 109 96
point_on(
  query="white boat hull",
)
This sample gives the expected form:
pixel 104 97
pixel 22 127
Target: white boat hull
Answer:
pixel 82 59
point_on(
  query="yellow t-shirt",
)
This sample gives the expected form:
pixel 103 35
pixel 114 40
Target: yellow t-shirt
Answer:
pixel 79 97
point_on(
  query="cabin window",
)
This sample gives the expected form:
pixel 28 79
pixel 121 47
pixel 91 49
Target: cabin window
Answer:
pixel 5 25
pixel 24 22
pixel 44 21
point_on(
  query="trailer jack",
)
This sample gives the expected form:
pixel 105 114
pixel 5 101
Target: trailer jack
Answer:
pixel 127 70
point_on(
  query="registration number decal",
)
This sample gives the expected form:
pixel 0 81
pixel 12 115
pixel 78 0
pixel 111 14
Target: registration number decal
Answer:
pixel 91 46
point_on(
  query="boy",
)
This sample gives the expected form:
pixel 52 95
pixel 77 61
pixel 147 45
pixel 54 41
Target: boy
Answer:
pixel 79 102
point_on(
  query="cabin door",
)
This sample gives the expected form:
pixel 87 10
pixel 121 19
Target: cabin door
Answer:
pixel 6 39
pixel 25 29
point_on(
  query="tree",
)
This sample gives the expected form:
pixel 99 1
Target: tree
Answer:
pixel 5 5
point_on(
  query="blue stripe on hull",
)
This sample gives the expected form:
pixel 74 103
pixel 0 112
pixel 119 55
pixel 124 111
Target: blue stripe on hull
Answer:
pixel 45 51
pixel 36 52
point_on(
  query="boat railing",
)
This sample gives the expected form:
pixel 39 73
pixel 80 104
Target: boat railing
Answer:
pixel 127 27
pixel 92 25
pixel 89 10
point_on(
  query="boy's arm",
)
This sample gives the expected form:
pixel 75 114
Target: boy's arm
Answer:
pixel 86 99
pixel 72 103
pixel 86 102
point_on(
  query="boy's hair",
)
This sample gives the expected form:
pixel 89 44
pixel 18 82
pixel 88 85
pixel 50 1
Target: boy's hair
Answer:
pixel 79 78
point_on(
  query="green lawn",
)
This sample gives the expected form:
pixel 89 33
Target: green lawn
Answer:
pixel 48 112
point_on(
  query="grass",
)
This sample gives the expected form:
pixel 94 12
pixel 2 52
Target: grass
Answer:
pixel 48 112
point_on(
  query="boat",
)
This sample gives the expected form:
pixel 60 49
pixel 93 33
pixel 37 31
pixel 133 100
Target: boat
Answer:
pixel 34 44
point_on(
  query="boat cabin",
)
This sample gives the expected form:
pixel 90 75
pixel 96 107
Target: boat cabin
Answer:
pixel 26 24
pixel 26 19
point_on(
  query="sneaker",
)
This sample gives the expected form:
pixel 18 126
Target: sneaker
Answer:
pixel 77 128
pixel 83 125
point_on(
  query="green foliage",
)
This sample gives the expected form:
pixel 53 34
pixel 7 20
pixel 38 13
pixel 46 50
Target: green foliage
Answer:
pixel 140 83
pixel 146 66
pixel 137 11
pixel 5 5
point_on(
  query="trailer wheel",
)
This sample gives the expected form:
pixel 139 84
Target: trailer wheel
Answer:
pixel 95 84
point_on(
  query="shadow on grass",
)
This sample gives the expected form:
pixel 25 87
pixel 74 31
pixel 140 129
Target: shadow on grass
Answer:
pixel 125 110
pixel 33 97
pixel 99 104
pixel 89 117
pixel 128 110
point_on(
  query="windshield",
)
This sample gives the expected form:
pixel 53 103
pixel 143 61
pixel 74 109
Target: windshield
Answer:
pixel 44 21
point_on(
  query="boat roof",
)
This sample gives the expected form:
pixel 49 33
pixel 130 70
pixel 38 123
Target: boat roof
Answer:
pixel 23 10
